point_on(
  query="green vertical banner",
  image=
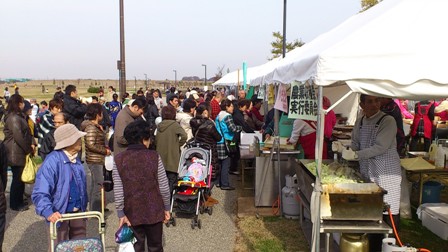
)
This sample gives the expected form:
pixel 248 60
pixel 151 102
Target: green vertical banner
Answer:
pixel 244 75
pixel 250 93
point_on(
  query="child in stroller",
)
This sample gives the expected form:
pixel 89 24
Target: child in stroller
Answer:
pixel 194 179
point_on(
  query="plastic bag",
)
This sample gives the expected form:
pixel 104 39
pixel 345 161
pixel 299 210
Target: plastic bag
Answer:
pixel 405 202
pixel 124 234
pixel 109 162
pixel 126 247
pixel 30 170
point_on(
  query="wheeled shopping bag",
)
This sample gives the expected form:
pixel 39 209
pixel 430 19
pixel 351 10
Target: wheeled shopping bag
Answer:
pixel 90 244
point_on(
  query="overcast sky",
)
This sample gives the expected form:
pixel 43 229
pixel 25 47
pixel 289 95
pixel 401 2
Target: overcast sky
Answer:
pixel 70 39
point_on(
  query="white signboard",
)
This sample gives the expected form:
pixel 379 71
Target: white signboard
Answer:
pixel 303 102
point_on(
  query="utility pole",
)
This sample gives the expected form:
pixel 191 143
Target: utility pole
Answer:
pixel 122 61
pixel 146 82
pixel 175 77
pixel 205 78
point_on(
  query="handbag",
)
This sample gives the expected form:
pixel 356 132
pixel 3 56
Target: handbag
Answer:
pixel 231 146
pixel 30 170
pixel 108 183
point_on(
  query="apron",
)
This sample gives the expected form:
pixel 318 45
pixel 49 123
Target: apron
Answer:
pixel 384 170
pixel 308 143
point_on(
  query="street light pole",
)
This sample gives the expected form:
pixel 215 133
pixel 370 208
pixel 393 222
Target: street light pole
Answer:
pixel 146 82
pixel 135 83
pixel 122 61
pixel 175 77
pixel 205 79
pixel 284 29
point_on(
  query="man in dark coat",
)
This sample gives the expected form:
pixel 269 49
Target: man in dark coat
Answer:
pixel 3 180
pixel 238 116
pixel 74 109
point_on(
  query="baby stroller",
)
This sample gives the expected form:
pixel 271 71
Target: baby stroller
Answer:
pixel 193 181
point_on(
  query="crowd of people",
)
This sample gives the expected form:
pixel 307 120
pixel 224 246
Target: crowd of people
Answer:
pixel 145 133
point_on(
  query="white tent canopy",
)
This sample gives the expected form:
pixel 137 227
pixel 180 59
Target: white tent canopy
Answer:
pixel 231 79
pixel 396 49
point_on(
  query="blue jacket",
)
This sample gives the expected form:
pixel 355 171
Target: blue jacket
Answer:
pixel 52 186
pixel 222 127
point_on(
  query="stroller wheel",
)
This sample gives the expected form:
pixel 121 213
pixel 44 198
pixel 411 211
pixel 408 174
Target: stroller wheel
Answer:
pixel 199 224
pixel 174 222
pixel 201 209
pixel 193 223
pixel 210 210
pixel 167 224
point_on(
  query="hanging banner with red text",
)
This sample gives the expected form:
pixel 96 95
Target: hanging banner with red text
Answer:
pixel 281 101
pixel 303 102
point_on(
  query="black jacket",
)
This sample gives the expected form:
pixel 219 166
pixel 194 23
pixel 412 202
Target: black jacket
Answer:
pixel 74 110
pixel 204 131
pixel 238 118
pixel 3 177
pixel 151 114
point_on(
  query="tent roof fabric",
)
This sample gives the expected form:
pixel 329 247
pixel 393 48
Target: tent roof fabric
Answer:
pixel 396 48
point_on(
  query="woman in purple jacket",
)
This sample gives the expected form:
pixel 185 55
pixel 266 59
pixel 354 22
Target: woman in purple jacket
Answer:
pixel 142 195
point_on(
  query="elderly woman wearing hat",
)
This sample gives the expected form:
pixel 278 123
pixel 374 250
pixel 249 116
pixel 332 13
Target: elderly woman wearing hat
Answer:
pixel 60 185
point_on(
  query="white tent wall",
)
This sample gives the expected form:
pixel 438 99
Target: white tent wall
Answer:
pixel 348 107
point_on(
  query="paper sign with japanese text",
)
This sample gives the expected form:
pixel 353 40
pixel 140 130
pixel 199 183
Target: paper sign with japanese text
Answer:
pixel 281 101
pixel 261 92
pixel 303 102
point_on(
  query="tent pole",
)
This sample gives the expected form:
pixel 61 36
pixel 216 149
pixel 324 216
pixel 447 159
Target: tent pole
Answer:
pixel 276 146
pixel 238 83
pixel 317 185
pixel 339 101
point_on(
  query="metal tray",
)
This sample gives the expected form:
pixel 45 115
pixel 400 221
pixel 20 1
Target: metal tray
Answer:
pixel 357 201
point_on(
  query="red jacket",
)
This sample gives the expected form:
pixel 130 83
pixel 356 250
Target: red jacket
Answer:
pixel 215 109
pixel 422 112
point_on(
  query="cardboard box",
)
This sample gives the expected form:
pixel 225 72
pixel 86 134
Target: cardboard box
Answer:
pixel 435 218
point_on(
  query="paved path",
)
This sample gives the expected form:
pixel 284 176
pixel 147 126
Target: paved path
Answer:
pixel 25 231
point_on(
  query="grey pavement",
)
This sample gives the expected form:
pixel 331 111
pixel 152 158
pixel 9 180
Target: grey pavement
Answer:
pixel 25 231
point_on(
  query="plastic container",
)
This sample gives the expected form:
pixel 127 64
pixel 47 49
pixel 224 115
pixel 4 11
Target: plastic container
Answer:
pixel 435 218
pixel 433 151
pixel 285 126
pixel 440 157
pixel 431 192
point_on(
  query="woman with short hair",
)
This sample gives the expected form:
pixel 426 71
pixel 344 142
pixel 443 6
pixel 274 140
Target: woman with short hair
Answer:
pixel 170 137
pixel 141 190
pixel 227 128
pixel 96 151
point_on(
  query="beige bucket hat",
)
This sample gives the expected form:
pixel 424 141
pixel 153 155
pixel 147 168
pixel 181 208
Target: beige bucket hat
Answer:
pixel 67 135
